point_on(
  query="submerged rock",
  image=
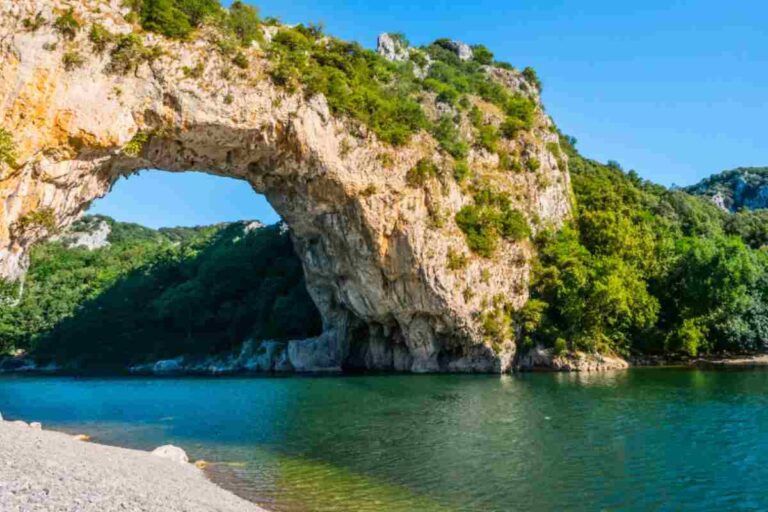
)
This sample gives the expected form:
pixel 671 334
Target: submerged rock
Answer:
pixel 168 366
pixel 171 452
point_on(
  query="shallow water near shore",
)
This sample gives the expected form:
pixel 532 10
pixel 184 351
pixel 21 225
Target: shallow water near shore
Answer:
pixel 641 439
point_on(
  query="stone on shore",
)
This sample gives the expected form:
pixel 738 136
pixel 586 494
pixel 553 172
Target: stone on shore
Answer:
pixel 171 452
pixel 545 359
pixel 36 425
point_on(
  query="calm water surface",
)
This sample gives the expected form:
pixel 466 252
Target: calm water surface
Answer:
pixel 645 439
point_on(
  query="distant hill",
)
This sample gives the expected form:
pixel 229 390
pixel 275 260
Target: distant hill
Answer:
pixel 744 187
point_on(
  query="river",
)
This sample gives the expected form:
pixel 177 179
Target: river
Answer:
pixel 644 439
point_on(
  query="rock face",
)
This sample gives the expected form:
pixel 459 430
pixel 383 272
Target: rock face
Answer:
pixel 375 251
pixel 541 359
pixel 744 187
pixel 90 235
pixel 391 48
pixel 462 50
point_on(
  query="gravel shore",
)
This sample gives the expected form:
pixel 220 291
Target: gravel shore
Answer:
pixel 53 472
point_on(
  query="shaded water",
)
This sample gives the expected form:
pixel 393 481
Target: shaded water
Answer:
pixel 642 439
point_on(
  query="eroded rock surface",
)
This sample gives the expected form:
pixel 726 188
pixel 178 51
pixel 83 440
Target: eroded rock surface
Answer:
pixel 539 359
pixel 375 250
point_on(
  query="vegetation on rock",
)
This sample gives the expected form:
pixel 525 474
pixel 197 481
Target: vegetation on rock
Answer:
pixel 490 219
pixel 7 148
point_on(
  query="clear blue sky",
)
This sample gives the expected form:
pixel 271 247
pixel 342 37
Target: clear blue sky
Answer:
pixel 677 90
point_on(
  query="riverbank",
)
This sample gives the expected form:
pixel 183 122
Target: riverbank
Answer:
pixel 51 471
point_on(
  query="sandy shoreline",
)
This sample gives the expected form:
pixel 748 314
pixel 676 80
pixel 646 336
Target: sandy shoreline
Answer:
pixel 51 471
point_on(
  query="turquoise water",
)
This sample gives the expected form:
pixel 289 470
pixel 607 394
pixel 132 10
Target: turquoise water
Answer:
pixel 645 439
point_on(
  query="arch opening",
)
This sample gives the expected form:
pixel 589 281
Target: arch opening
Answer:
pixel 207 292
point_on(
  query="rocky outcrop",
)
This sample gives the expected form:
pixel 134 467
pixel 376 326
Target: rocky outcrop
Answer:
pixel 90 235
pixel 391 48
pixel 541 359
pixel 744 187
pixel 375 250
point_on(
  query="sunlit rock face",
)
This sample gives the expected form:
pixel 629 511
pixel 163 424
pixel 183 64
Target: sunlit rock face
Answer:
pixel 375 251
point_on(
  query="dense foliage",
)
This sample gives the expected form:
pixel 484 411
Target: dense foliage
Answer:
pixel 644 269
pixel 489 219
pixel 178 18
pixel 153 294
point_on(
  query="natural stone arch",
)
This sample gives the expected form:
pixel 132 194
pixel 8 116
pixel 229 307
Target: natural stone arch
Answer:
pixel 374 250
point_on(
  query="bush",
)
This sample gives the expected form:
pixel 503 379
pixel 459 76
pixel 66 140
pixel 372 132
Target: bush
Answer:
pixel 530 75
pixel 532 164
pixel 419 174
pixel 490 219
pixel 482 55
pixel 521 114
pixel 240 60
pixel 67 25
pixel 100 38
pixel 176 18
pixel 461 170
pixel 194 72
pixel 135 146
pixel 32 24
pixel 355 81
pixel 457 260
pixel 447 135
pixel 129 53
pixel 243 21
pixel 44 218
pixel 72 60
pixel 487 137
pixel 7 148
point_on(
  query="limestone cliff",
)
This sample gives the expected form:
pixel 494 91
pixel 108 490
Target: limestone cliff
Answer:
pixel 376 250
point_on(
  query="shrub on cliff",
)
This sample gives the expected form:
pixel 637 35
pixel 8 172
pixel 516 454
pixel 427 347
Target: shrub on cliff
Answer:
pixel 7 148
pixel 421 173
pixel 174 18
pixel 521 114
pixel 490 219
pixel 243 21
pixel 129 53
pixel 355 81
pixel 67 25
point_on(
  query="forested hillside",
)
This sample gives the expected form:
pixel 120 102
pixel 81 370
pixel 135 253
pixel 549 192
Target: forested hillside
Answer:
pixel 151 294
pixel 645 269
